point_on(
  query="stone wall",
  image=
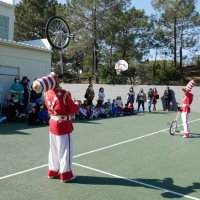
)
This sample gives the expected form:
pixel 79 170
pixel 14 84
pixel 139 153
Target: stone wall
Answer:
pixel 112 91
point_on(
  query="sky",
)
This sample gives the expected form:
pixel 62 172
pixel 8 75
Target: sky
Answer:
pixel 139 4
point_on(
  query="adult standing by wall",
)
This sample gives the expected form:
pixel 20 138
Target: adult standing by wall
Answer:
pixel 141 99
pixel 150 98
pixel 167 98
pixel 101 96
pixel 17 89
pixel 34 95
pixel 25 84
pixel 130 96
pixel 61 107
pixel 155 97
pixel 89 95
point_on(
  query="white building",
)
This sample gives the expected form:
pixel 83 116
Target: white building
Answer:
pixel 31 59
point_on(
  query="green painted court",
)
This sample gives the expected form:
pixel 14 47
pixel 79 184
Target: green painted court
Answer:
pixel 118 158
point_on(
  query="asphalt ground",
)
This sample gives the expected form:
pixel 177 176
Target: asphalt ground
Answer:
pixel 119 158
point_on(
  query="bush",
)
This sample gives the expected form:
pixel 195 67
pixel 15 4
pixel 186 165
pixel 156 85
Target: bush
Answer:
pixel 170 74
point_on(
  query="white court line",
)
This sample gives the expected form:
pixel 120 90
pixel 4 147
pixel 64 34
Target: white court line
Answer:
pixel 89 152
pixel 22 172
pixel 126 141
pixel 137 182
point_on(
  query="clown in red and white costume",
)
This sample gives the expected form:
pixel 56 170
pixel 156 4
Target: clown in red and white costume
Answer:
pixel 185 108
pixel 61 108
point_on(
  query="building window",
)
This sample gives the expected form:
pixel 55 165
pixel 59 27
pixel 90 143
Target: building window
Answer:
pixel 9 71
pixel 4 27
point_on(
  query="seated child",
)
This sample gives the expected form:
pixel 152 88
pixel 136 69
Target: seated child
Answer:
pixel 103 112
pixel 126 110
pixel 95 112
pixel 115 111
pixel 89 112
pixel 43 115
pixel 2 117
pixel 33 117
pixel 82 114
pixel 15 108
pixel 131 109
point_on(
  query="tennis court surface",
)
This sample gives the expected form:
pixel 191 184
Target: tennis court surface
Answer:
pixel 119 158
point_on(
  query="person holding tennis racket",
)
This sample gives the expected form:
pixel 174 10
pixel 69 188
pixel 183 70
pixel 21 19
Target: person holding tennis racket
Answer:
pixel 185 108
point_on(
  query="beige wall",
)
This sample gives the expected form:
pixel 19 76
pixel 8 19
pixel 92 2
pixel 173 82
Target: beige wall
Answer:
pixel 112 91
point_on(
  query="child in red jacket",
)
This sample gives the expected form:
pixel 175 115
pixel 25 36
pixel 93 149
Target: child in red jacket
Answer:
pixel 185 108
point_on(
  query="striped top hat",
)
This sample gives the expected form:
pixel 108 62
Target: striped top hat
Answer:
pixel 45 83
pixel 190 85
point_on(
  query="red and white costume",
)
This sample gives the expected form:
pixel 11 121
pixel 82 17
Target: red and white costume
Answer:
pixel 185 108
pixel 61 107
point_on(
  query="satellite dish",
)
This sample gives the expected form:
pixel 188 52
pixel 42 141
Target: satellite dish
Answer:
pixel 120 66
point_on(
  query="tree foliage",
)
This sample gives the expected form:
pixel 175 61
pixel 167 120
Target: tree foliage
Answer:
pixel 177 27
pixel 108 31
pixel 31 18
pixel 105 32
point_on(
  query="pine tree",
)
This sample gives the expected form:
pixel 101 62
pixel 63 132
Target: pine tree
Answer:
pixel 31 18
pixel 177 24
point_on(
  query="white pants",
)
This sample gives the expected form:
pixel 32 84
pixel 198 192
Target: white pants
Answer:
pixel 184 116
pixel 60 153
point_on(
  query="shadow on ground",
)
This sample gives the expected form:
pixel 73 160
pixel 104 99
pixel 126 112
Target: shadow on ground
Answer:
pixel 11 128
pixel 167 186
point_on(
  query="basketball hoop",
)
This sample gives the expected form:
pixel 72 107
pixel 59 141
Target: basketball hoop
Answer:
pixel 120 66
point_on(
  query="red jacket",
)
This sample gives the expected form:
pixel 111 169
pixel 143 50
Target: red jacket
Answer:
pixel 60 103
pixel 187 101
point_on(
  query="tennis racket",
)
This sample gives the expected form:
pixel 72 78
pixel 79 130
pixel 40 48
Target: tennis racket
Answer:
pixel 173 127
pixel 174 124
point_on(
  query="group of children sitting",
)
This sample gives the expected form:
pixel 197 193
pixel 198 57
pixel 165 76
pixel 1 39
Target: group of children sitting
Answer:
pixel 104 110
pixel 37 113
